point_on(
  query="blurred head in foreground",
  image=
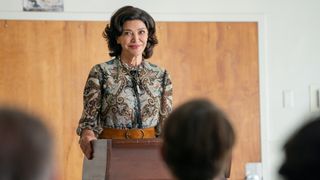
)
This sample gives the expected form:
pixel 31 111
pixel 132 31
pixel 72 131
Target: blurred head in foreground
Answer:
pixel 197 141
pixel 302 153
pixel 26 147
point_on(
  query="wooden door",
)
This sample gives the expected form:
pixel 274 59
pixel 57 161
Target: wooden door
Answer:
pixel 218 61
pixel 44 65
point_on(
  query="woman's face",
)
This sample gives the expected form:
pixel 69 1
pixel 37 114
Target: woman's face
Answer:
pixel 133 39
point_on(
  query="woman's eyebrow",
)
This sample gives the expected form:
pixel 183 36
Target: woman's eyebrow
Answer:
pixel 143 28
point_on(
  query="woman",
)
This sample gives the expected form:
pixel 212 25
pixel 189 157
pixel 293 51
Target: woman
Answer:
pixel 126 97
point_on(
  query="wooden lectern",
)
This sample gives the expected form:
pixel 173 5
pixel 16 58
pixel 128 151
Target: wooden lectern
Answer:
pixel 136 159
pixel 121 159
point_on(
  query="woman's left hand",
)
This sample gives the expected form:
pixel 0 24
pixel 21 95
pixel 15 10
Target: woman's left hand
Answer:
pixel 86 139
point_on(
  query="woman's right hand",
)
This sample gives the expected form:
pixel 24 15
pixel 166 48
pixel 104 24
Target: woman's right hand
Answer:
pixel 85 142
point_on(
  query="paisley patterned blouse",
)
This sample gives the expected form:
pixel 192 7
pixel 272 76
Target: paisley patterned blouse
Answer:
pixel 113 93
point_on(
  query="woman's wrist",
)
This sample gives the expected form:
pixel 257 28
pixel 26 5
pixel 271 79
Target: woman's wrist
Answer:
pixel 87 132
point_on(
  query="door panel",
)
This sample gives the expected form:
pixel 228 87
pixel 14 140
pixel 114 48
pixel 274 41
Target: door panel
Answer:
pixel 218 61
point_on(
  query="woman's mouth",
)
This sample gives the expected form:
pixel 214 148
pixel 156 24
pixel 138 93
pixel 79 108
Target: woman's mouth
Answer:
pixel 134 46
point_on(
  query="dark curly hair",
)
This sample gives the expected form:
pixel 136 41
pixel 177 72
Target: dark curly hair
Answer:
pixel 113 30
pixel 197 140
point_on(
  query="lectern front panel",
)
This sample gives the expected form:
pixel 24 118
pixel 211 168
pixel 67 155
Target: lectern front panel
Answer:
pixel 136 159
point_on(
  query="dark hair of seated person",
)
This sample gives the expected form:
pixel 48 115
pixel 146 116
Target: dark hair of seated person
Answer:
pixel 302 153
pixel 197 141
pixel 26 150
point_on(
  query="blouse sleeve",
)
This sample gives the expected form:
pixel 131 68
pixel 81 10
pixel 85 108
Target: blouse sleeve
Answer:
pixel 91 103
pixel 166 102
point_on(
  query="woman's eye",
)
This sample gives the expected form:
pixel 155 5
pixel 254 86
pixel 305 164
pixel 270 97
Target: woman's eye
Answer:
pixel 142 32
pixel 128 33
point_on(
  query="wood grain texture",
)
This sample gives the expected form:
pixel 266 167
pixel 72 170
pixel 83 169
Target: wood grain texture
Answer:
pixel 218 61
pixel 44 66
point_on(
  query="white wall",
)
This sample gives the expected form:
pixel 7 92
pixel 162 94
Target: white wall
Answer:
pixel 289 49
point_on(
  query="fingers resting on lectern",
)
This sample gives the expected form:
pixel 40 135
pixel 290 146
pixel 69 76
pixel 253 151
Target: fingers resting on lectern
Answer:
pixel 86 145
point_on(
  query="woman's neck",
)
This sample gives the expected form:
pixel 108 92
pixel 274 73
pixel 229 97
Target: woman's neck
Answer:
pixel 131 61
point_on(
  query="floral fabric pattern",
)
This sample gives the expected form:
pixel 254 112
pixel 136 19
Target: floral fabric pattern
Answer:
pixel 110 101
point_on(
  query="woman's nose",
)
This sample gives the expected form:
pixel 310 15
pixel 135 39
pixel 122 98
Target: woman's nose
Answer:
pixel 135 38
